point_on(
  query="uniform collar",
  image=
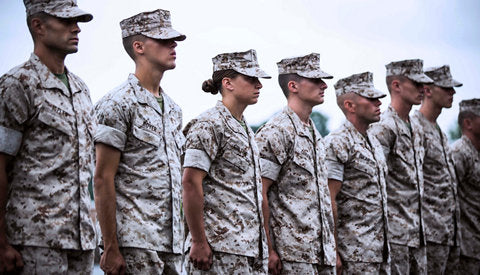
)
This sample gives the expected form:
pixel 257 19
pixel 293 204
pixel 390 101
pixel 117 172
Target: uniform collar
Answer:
pixel 300 128
pixel 145 97
pixel 49 81
pixel 232 122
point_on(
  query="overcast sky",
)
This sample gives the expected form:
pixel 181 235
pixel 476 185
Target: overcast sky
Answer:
pixel 352 36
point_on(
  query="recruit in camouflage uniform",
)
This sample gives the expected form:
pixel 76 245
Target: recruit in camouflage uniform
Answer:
pixel 466 155
pixel 295 180
pixel 402 144
pixel 46 127
pixel 356 162
pixel 144 129
pixel 227 155
pixel 441 211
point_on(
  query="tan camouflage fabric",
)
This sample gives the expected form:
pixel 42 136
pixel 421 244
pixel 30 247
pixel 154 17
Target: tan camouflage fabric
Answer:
pixel 442 259
pixel 361 84
pixel 442 77
pixel 471 105
pixel 365 268
pixel 225 263
pixel 148 182
pixel 468 266
pixel 49 131
pixel 151 262
pixel 412 69
pixel 41 260
pixel 307 268
pixel 403 151
pixel 408 260
pixel 242 62
pixel 154 24
pixel 440 202
pixel 307 66
pixel 219 145
pixel 57 8
pixel 467 166
pixel 301 218
pixel 362 226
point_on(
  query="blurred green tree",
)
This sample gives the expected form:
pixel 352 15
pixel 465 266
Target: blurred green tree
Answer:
pixel 454 132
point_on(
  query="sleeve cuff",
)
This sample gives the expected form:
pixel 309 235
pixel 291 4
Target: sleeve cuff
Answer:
pixel 197 159
pixel 269 169
pixel 335 170
pixel 10 140
pixel 110 136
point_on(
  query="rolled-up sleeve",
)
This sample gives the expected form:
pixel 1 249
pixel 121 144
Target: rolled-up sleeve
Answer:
pixel 110 136
pixel 201 146
pixel 112 124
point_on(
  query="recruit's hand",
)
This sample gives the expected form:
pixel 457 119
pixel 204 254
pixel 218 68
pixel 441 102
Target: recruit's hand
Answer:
pixel 274 263
pixel 112 262
pixel 201 255
pixel 339 264
pixel 10 259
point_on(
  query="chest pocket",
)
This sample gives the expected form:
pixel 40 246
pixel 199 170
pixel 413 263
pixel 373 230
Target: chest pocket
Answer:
pixel 365 165
pixel 57 118
pixel 237 157
pixel 146 136
pixel 303 155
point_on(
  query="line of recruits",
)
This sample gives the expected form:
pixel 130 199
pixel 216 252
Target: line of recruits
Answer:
pixel 383 194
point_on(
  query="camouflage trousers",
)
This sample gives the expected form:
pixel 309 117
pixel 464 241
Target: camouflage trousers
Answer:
pixel 42 260
pixel 307 269
pixel 442 259
pixel 145 261
pixel 408 260
pixel 225 263
pixel 468 266
pixel 349 268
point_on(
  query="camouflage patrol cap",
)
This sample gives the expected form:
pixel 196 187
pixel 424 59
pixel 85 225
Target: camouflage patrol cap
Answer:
pixel 242 62
pixel 470 105
pixel 57 8
pixel 361 84
pixel 442 77
pixel 412 69
pixel 307 66
pixel 154 24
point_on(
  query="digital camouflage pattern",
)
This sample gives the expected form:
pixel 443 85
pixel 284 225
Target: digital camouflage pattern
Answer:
pixel 442 77
pixel 362 227
pixel 471 105
pixel 412 69
pixel 442 259
pixel 225 263
pixel 365 268
pixel 361 84
pixel 408 260
pixel 403 151
pixel 467 166
pixel 307 268
pixel 41 260
pixel 440 203
pixel 57 8
pixel 154 24
pixel 301 219
pixel 148 182
pixel 144 261
pixel 242 62
pixel 307 66
pixel 50 131
pixel 219 145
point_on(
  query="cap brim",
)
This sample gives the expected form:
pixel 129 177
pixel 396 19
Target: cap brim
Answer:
pixel 374 93
pixel 420 78
pixel 253 72
pixel 315 74
pixel 72 12
pixel 451 83
pixel 165 34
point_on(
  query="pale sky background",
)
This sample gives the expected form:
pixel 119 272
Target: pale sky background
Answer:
pixel 352 36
